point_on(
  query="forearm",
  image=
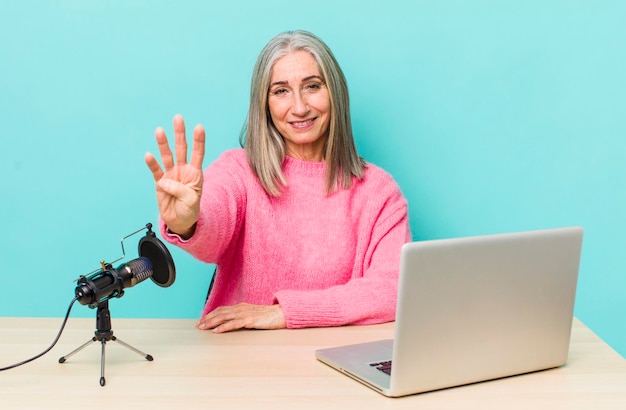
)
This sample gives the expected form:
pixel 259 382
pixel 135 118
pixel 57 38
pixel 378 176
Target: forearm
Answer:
pixel 368 299
pixel 359 302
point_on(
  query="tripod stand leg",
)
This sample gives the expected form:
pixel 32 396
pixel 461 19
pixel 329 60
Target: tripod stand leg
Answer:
pixel 103 334
pixel 129 347
pixel 78 349
pixel 102 361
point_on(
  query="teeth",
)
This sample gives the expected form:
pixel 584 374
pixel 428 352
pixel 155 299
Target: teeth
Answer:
pixel 302 123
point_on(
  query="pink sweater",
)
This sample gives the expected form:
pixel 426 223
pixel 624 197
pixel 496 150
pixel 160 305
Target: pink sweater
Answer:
pixel 328 260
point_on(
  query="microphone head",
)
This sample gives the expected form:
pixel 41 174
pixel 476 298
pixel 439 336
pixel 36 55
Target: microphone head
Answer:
pixel 164 271
pixel 135 271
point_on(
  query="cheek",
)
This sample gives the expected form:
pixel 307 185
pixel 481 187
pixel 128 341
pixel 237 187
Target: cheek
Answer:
pixel 277 111
pixel 322 104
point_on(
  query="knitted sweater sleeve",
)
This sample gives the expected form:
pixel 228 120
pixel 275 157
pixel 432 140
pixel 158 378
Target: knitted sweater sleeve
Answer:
pixel 368 299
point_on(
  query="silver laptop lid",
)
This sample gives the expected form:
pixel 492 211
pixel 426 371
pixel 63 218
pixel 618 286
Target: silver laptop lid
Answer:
pixel 478 308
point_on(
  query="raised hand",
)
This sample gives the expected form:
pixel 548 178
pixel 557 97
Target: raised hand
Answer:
pixel 179 185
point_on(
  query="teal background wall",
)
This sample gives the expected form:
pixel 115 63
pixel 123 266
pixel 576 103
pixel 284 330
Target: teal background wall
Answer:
pixel 493 116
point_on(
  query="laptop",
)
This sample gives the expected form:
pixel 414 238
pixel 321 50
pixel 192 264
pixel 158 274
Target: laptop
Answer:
pixel 472 309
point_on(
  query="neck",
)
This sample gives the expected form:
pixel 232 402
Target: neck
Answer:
pixel 312 154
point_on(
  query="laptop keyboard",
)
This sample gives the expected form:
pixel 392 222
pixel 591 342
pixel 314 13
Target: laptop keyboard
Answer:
pixel 384 367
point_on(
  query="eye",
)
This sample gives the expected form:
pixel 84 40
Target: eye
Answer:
pixel 279 92
pixel 313 87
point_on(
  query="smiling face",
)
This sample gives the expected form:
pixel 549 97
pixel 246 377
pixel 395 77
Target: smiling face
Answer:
pixel 299 105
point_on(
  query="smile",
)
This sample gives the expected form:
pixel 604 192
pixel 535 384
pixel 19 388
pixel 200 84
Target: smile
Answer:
pixel 302 124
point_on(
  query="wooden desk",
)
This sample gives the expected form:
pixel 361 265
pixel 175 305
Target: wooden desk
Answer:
pixel 262 370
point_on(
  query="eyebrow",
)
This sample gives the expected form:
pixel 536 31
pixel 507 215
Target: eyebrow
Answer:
pixel 311 77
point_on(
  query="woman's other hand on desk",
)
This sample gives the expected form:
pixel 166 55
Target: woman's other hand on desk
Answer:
pixel 179 184
pixel 243 316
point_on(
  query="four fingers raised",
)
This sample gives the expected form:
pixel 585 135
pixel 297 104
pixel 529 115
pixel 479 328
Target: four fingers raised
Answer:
pixel 180 147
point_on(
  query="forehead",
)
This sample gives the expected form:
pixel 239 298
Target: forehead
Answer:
pixel 293 66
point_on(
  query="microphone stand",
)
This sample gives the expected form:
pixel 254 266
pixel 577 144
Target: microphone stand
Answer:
pixel 103 334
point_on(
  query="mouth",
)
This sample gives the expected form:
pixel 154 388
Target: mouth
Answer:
pixel 302 124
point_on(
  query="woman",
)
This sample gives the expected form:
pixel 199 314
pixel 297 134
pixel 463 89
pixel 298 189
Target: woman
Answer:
pixel 303 232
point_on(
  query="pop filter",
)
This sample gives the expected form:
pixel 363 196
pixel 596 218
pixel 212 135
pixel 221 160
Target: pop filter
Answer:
pixel 164 271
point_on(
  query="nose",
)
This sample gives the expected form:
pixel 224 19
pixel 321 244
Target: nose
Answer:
pixel 299 105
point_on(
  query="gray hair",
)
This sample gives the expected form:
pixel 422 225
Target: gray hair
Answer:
pixel 264 145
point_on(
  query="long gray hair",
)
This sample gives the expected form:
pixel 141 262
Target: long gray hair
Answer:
pixel 264 145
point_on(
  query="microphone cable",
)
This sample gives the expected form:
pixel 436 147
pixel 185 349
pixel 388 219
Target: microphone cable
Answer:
pixel 67 315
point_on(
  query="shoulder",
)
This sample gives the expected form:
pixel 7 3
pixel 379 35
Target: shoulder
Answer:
pixel 379 187
pixel 376 177
pixel 232 160
pixel 235 155
pixel 230 168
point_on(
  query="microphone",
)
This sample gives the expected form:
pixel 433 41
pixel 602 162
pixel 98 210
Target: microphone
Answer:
pixel 154 262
